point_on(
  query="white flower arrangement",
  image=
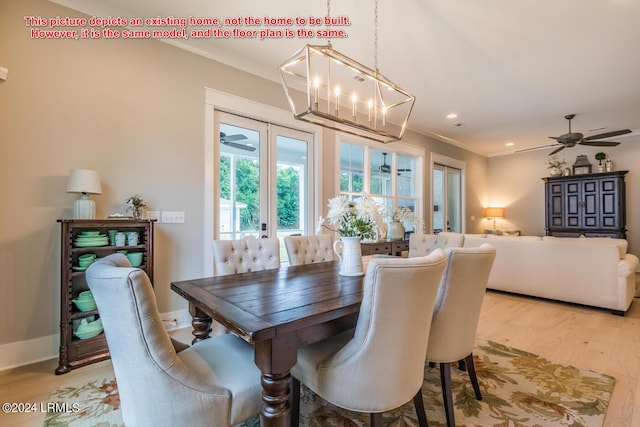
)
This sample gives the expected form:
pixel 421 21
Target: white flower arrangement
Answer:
pixel 358 218
pixel 404 215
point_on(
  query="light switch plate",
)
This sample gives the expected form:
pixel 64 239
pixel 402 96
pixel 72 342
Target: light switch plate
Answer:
pixel 171 217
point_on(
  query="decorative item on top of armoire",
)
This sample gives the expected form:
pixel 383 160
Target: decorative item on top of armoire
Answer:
pixel 581 165
pixel 600 156
pixel 590 205
pixel 555 165
pixel 608 165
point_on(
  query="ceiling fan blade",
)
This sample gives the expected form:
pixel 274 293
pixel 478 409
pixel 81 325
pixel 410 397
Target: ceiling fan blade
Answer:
pixel 554 137
pixel 608 134
pixel 524 150
pixel 557 150
pixel 239 146
pixel 600 143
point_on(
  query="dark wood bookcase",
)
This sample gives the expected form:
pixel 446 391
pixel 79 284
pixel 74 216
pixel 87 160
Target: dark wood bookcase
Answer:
pixel 75 352
pixel 590 205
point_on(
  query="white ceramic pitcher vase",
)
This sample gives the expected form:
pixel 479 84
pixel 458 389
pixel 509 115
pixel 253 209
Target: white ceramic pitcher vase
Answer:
pixel 350 255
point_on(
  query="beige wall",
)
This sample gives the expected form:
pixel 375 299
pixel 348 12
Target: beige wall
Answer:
pixel 134 111
pixel 515 181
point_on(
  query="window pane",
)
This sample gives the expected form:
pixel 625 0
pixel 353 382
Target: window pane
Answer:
pixel 291 176
pixel 351 168
pixel 239 182
pixel 406 176
pixel 380 173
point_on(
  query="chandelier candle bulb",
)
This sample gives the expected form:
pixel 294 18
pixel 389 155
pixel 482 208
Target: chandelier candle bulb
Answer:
pixel 316 85
pixel 370 105
pixel 384 117
pixel 337 92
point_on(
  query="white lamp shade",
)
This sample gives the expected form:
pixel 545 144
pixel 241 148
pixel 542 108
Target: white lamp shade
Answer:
pixel 84 181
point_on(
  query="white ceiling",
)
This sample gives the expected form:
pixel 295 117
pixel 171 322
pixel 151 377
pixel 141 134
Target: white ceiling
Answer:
pixel 511 70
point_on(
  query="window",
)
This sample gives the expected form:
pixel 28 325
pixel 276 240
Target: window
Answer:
pixel 390 176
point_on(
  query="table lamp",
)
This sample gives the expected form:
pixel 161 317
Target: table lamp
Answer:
pixel 494 213
pixel 86 182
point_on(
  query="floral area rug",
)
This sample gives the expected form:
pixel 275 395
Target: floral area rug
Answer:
pixel 518 388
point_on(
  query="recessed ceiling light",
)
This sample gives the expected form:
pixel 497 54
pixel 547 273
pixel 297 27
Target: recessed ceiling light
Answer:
pixel 452 116
pixel 510 144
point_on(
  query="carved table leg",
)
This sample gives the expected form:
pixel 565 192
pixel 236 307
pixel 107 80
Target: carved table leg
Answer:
pixel 201 324
pixel 275 358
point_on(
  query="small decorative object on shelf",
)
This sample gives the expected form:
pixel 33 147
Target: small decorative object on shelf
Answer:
pixel 600 157
pixel 608 165
pixel 555 166
pixel 581 165
pixel 566 172
pixel 398 219
pixel 136 204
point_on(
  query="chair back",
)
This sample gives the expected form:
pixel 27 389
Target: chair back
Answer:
pixel 244 255
pixel 154 385
pixel 309 249
pixel 423 244
pixel 457 309
pixel 382 367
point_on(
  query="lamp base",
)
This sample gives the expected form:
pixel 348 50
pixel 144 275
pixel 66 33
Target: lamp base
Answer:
pixel 84 208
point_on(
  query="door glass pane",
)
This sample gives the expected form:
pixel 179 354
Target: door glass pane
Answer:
pixel 438 199
pixel 351 168
pixel 453 200
pixel 239 182
pixel 381 168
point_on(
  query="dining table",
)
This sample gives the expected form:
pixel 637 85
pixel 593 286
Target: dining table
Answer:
pixel 276 311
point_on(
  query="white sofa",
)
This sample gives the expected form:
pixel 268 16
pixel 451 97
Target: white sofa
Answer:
pixel 591 271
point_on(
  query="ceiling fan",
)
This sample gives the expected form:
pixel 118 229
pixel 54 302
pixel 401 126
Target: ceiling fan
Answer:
pixel 386 168
pixel 570 139
pixel 229 141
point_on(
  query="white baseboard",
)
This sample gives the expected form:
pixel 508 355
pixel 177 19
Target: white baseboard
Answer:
pixel 20 353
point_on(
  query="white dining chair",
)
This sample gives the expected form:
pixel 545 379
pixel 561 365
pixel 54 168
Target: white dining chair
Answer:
pixel 215 382
pixel 309 249
pixel 456 314
pixel 244 255
pixel 379 366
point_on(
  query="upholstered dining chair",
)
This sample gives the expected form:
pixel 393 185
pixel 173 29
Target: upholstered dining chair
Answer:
pixel 456 314
pixel 309 249
pixel 422 244
pixel 212 383
pixel 244 255
pixel 379 365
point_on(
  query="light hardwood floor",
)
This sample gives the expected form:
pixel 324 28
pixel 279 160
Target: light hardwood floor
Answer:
pixel 583 337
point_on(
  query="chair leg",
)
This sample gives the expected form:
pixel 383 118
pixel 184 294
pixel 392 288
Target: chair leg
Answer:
pixel 376 419
pixel 295 402
pixel 420 412
pixel 445 379
pixel 472 375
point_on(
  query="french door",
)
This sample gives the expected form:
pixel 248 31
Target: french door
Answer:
pixel 264 179
pixel 447 198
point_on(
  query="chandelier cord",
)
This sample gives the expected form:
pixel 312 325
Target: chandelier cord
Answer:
pixel 375 37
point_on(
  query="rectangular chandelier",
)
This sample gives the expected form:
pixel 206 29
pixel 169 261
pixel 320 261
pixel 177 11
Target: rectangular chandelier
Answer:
pixel 332 90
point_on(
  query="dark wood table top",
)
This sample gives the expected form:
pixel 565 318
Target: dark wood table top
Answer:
pixel 260 305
